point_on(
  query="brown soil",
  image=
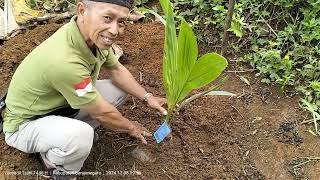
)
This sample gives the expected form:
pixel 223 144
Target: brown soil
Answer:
pixel 255 135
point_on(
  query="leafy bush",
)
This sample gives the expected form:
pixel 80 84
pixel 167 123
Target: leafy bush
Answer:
pixel 289 54
pixel 280 38
pixel 51 6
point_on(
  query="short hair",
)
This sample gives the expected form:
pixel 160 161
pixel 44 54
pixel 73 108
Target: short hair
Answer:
pixel 88 3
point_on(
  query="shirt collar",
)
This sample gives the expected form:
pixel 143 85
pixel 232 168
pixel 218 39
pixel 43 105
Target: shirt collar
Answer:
pixel 78 41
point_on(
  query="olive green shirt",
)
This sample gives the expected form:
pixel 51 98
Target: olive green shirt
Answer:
pixel 60 72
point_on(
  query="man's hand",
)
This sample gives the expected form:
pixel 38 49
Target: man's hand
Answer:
pixel 111 118
pixel 139 132
pixel 157 103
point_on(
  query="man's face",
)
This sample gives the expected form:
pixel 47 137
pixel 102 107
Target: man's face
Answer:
pixel 102 23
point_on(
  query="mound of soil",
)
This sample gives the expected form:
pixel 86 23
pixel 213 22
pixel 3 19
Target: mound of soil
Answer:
pixel 213 137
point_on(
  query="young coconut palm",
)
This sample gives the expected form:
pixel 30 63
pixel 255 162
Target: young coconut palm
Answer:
pixel 182 70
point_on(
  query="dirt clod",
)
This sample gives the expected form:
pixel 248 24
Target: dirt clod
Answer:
pixel 288 134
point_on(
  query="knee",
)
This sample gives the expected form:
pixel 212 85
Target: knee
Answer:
pixel 82 138
pixel 111 93
pixel 122 98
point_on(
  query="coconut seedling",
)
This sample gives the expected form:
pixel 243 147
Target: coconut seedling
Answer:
pixel 183 71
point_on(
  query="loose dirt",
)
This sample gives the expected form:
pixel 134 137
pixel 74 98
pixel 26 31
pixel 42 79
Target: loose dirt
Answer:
pixel 255 135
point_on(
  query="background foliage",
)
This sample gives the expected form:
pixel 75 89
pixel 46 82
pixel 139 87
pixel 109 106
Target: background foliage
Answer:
pixel 279 38
pixel 52 5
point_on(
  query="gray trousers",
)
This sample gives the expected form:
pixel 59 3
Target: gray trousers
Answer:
pixel 64 143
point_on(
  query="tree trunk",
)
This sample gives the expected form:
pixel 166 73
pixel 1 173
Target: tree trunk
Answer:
pixel 227 26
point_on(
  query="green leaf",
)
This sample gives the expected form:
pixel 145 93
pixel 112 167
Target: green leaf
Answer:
pixel 31 3
pixel 265 80
pixel 158 16
pixel 171 46
pixel 308 66
pixel 48 6
pixel 187 49
pixel 236 29
pixel 206 69
pixel 187 54
pixel 312 108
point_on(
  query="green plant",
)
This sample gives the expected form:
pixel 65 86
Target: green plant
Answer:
pixel 272 67
pixel 182 72
pixel 287 52
pixel 311 102
pixel 315 116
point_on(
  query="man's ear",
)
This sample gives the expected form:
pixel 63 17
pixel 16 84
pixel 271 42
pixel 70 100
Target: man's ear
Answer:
pixel 81 8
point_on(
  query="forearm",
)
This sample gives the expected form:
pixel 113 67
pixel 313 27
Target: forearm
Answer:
pixel 123 79
pixel 111 118
pixel 115 122
pixel 108 116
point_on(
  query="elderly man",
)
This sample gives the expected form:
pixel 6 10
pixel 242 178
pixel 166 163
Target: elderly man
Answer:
pixel 55 101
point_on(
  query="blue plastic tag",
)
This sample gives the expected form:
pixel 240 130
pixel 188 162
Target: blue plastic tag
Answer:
pixel 161 133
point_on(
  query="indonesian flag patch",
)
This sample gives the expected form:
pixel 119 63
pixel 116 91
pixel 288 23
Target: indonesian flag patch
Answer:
pixel 83 87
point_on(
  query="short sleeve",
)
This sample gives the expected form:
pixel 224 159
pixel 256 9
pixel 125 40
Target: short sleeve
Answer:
pixel 74 83
pixel 111 58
